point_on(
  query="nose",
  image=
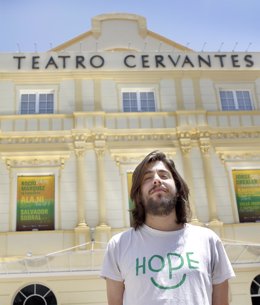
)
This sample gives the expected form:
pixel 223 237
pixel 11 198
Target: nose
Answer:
pixel 157 180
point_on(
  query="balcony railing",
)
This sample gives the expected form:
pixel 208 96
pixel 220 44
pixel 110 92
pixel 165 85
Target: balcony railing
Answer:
pixel 76 259
pixel 130 121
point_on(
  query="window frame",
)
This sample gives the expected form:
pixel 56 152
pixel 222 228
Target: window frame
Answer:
pixel 138 92
pixel 255 282
pixel 235 99
pixel 37 102
pixel 234 87
pixel 138 89
pixel 30 291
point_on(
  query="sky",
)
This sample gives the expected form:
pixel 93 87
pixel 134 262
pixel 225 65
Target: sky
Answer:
pixel 202 25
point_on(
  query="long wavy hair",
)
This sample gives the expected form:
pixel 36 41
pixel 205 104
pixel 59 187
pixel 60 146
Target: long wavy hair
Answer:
pixel 183 211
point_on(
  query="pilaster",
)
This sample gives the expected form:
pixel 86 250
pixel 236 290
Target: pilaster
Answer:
pixel 186 147
pixel 205 147
pixel 82 231
pixel 102 231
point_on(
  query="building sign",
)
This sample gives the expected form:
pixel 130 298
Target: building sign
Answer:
pixel 131 61
pixel 35 203
pixel 247 189
pixel 127 61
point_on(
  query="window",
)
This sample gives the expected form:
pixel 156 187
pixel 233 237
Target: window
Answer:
pixel 37 102
pixel 235 100
pixel 255 290
pixel 35 294
pixel 138 101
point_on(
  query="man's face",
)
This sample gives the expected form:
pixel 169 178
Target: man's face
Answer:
pixel 158 189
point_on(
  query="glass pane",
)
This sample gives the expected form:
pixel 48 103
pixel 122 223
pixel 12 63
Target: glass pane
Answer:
pixel 147 101
pixel 28 290
pixel 130 102
pixel 28 103
pixel 19 299
pixel 243 100
pixel 227 100
pixel 255 286
pixel 24 98
pixel 46 103
pixel 51 299
pixel 50 98
pixel 42 290
pixel 35 299
pixel 24 106
pixel 32 98
pixel 255 300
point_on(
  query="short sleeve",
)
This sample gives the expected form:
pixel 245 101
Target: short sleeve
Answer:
pixel 221 267
pixel 110 267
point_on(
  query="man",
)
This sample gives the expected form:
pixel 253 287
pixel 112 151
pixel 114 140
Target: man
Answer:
pixel 164 260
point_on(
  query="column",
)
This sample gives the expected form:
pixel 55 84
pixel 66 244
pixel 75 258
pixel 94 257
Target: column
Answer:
pixel 186 149
pixel 12 225
pixel 103 231
pixel 80 187
pixel 82 231
pixel 209 178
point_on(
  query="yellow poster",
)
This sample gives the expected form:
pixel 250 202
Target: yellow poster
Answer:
pixel 247 189
pixel 129 185
pixel 35 203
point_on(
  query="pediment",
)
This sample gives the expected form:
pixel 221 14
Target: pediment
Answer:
pixel 118 33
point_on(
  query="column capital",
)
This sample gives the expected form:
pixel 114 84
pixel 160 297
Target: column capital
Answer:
pixel 100 147
pixel 185 145
pixel 80 146
pixel 205 146
pixel 79 152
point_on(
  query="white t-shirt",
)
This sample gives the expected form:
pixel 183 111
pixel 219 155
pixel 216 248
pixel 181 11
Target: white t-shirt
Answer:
pixel 167 268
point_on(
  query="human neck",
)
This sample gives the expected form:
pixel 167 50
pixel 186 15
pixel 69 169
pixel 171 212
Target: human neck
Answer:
pixel 163 223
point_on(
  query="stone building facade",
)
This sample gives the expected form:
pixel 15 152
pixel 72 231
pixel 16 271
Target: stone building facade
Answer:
pixel 74 123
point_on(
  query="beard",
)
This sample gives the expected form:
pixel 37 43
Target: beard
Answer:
pixel 161 206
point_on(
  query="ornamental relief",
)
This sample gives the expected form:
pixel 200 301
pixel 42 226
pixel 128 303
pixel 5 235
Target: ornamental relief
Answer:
pixel 21 162
pixel 238 156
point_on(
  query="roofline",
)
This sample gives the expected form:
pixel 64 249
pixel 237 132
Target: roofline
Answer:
pixel 96 31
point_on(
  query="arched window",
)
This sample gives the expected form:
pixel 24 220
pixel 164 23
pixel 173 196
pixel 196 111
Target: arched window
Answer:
pixel 255 290
pixel 35 294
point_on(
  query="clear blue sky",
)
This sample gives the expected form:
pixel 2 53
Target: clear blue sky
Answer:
pixel 235 23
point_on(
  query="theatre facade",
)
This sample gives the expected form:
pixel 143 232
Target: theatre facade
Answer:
pixel 74 123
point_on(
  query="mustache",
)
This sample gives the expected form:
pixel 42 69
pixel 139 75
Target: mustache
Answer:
pixel 156 187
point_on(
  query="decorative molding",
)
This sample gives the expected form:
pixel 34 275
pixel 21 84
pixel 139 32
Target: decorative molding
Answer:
pixel 35 161
pixel 34 139
pixel 239 156
pixel 133 156
pixel 231 134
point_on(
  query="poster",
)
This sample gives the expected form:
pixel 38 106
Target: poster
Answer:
pixel 130 203
pixel 35 203
pixel 247 190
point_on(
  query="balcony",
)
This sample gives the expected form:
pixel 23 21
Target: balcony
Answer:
pixel 129 121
